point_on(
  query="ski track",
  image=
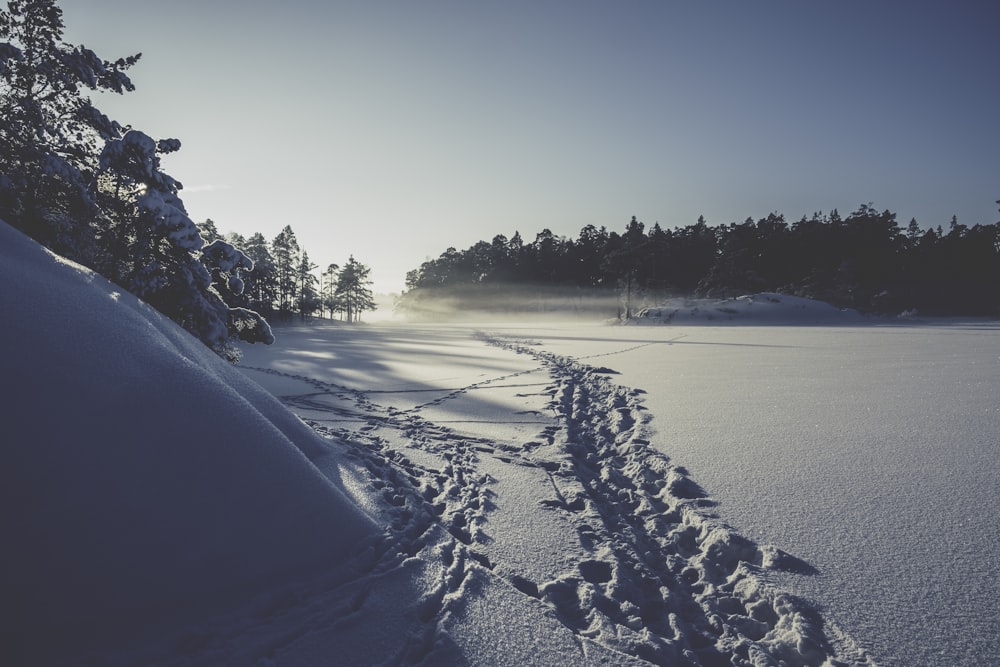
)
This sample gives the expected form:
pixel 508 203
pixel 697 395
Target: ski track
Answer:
pixel 663 579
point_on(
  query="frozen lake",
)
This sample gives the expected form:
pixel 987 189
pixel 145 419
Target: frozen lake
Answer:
pixel 870 452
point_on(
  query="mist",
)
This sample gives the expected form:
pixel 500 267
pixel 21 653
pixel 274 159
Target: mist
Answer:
pixel 507 301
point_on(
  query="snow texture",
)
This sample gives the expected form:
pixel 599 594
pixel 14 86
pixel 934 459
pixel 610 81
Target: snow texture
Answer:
pixel 555 506
pixel 226 258
pixel 868 450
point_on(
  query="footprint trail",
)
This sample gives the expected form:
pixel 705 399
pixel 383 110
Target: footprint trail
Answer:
pixel 639 566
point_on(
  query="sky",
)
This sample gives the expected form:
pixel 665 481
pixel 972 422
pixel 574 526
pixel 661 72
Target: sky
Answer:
pixel 394 130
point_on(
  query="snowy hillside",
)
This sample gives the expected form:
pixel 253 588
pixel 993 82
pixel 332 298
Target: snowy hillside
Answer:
pixel 144 480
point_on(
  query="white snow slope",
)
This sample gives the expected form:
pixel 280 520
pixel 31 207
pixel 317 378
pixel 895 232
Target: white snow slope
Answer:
pixel 145 484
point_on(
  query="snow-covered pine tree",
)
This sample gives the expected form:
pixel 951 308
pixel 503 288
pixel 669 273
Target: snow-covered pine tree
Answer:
pixel 112 209
pixel 209 232
pixel 164 244
pixel 228 265
pixel 50 132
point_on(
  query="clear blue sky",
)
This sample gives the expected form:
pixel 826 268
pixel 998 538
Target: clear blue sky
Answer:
pixel 393 130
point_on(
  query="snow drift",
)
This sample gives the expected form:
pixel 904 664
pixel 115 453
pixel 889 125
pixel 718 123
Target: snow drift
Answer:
pixel 762 308
pixel 144 479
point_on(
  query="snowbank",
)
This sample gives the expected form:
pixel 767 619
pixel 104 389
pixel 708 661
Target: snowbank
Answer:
pixel 144 480
pixel 763 308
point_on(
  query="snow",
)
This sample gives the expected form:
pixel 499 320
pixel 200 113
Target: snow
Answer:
pixel 135 150
pixel 541 471
pixel 144 480
pixel 523 495
pixel 870 452
pixel 759 309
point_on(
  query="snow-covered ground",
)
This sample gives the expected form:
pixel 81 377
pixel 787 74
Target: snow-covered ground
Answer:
pixel 866 449
pixel 505 496
pixel 870 452
pixel 761 308
pixel 542 472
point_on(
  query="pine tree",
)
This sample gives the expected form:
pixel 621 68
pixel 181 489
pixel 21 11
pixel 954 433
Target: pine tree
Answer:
pixel 260 284
pixel 162 239
pixel 50 132
pixel 75 181
pixel 285 250
pixel 308 287
pixel 209 232
pixel 623 262
pixel 353 292
pixel 164 266
pixel 328 288
pixel 228 265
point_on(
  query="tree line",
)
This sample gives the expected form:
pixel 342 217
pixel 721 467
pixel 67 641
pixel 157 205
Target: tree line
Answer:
pixel 864 261
pixel 282 283
pixel 94 191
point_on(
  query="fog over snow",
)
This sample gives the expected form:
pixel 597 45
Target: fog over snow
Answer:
pixel 543 495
